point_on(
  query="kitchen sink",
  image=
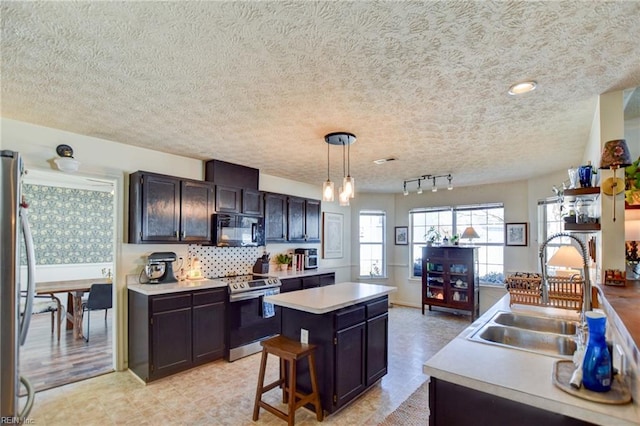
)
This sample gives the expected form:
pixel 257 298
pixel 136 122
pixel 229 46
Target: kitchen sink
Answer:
pixel 542 335
pixel 546 343
pixel 547 325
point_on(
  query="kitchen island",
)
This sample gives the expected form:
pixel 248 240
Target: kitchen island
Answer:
pixel 498 385
pixel 349 324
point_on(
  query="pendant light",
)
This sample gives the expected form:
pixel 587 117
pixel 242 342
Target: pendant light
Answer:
pixel 348 182
pixel 328 187
pixel 347 190
pixel 343 195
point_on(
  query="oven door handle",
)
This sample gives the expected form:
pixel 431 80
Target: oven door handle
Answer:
pixel 250 295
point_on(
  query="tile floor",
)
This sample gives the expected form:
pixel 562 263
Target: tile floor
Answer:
pixel 222 393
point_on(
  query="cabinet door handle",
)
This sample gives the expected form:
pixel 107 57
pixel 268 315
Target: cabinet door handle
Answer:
pixel 184 234
pixel 177 235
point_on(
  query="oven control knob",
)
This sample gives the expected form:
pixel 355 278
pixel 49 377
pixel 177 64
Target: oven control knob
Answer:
pixel 241 285
pixel 235 286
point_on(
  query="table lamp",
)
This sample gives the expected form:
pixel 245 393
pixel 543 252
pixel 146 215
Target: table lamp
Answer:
pixel 615 154
pixel 470 234
pixel 569 258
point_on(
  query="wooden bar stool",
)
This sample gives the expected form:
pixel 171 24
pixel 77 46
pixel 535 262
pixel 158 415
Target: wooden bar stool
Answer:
pixel 289 351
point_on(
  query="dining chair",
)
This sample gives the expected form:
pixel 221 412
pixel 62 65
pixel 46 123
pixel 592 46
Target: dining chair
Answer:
pixel 100 297
pixel 43 303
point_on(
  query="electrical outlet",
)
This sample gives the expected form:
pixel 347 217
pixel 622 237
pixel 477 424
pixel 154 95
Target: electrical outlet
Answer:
pixel 304 335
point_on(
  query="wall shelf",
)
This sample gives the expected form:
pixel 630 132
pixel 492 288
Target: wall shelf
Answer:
pixel 582 191
pixel 584 227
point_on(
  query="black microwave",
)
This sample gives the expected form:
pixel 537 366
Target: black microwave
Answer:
pixel 230 230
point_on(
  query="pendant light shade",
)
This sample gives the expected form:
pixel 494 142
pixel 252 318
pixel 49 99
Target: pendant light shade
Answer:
pixel 327 186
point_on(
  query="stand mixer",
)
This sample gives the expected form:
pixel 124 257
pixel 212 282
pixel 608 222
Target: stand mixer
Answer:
pixel 159 267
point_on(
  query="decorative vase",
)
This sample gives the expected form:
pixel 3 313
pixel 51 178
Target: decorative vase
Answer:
pixel 573 178
pixel 596 366
pixel 283 266
pixel 585 173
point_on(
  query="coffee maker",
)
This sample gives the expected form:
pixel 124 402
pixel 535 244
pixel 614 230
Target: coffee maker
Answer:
pixel 159 267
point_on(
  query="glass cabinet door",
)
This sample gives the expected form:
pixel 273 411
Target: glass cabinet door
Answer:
pixel 435 281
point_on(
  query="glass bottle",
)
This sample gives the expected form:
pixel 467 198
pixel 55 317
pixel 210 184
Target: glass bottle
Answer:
pixel 596 366
pixel 585 173
pixel 582 210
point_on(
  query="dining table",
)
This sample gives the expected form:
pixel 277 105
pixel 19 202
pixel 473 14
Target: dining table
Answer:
pixel 75 290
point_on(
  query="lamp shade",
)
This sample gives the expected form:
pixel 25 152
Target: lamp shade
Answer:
pixel 615 154
pixel 470 233
pixel 567 256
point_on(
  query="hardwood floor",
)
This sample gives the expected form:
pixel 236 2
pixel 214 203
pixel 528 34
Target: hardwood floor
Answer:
pixel 48 363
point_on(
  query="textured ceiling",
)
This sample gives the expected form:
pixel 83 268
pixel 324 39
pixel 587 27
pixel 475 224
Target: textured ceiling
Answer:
pixel 261 83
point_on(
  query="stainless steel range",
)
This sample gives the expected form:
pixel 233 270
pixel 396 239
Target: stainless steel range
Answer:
pixel 249 319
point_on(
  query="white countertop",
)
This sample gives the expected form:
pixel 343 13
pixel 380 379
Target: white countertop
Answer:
pixel 518 375
pixel 289 273
pixel 320 300
pixel 188 285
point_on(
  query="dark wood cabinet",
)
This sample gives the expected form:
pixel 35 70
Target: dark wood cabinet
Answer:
pixel 296 220
pixel 275 217
pixel 377 347
pixel 312 212
pixel 174 332
pixel 450 278
pixel 327 279
pixel 228 199
pixel 480 408
pixel 310 282
pixel 167 209
pixel 290 284
pixel 252 202
pixel 352 349
pixel 350 366
pixel 291 219
pixel 171 339
pixel 208 325
pixel 303 220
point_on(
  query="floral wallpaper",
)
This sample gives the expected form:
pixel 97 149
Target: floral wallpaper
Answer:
pixel 69 225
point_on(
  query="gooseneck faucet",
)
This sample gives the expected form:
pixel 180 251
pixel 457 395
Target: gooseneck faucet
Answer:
pixel 586 291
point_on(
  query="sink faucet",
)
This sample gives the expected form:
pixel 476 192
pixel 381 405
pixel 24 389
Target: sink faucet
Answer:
pixel 586 290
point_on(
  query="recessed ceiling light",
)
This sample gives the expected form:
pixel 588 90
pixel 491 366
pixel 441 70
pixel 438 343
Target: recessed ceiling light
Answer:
pixel 523 87
pixel 384 160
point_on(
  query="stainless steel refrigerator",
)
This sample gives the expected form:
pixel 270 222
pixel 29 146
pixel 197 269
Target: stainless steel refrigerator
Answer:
pixel 13 323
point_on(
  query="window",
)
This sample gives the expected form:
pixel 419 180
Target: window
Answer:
pixel 550 222
pixel 372 244
pixel 487 220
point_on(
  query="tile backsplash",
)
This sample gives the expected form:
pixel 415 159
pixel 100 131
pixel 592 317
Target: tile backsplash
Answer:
pixel 225 261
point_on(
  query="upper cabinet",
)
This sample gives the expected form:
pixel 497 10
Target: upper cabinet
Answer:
pixel 167 209
pixel 291 219
pixel 236 188
pixel 275 218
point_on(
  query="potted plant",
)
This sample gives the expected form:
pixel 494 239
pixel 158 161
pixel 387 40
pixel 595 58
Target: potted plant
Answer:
pixel 432 236
pixel 283 260
pixel 632 183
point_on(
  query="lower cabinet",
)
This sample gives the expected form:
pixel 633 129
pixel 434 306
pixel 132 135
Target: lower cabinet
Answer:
pixel 453 404
pixel 174 332
pixel 309 281
pixel 352 351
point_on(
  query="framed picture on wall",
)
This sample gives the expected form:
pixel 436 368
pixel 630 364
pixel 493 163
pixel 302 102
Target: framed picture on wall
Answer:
pixel 515 234
pixel 402 235
pixel 332 235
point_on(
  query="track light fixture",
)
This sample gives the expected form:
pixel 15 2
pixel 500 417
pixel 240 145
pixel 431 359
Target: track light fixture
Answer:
pixel 434 187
